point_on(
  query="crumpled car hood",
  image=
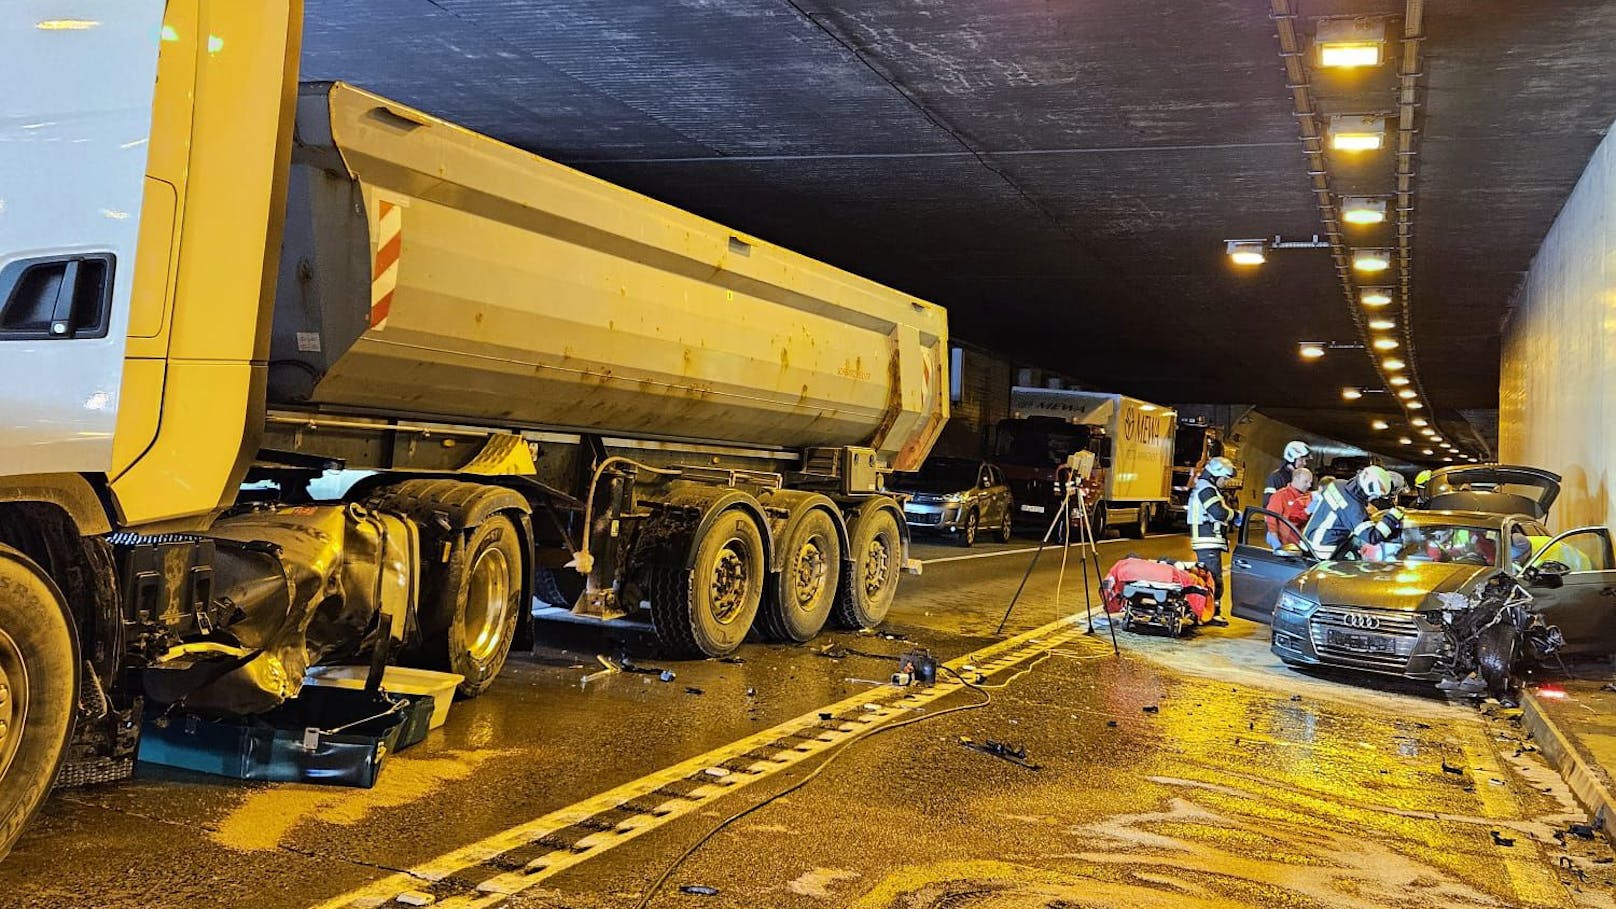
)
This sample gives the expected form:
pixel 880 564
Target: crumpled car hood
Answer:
pixel 1389 585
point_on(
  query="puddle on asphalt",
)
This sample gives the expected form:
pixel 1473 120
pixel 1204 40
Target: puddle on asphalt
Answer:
pixel 264 819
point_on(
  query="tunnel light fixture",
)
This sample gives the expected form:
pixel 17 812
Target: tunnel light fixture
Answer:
pixel 1375 296
pixel 1371 260
pixel 1415 405
pixel 1382 324
pixel 65 25
pixel 1405 440
pixel 1351 393
pixel 1380 425
pixel 1447 445
pixel 1399 381
pixel 1350 43
pixel 1246 252
pixel 1408 394
pixel 1447 460
pixel 1427 451
pixel 1385 344
pixel 1357 133
pixel 1363 210
pixel 1420 422
pixel 1392 364
pixel 1311 351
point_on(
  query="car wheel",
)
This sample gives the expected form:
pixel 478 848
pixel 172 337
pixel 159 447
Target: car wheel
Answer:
pixel 967 534
pixel 1006 526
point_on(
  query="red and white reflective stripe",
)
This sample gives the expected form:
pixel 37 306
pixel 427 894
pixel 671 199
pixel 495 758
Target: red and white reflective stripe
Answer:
pixel 384 274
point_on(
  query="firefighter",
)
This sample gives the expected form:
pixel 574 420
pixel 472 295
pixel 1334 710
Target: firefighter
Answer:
pixel 1420 492
pixel 1296 455
pixel 1209 520
pixel 1343 514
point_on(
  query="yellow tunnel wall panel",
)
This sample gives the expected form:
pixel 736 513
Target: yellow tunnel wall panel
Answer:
pixel 1557 394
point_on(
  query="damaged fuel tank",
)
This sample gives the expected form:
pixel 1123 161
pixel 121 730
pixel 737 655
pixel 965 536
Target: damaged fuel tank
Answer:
pixel 229 623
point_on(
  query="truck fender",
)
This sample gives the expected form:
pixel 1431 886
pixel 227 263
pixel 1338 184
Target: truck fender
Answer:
pixel 68 491
pixel 697 499
pixel 787 508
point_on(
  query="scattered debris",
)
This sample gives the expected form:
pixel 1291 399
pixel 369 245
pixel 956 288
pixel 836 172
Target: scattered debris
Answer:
pixel 1581 831
pixel 852 681
pixel 699 890
pixel 1111 724
pixel 1151 708
pixel 717 773
pixel 1501 840
pixel 415 898
pixel 1495 781
pixel 873 708
pixel 732 660
pixel 1449 768
pixel 826 715
pixel 751 692
pixel 667 675
pixel 1608 686
pixel 691 689
pixel 1296 697
pixel 1004 751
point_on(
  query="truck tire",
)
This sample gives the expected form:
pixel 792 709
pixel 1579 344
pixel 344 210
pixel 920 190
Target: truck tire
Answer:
pixel 805 587
pixel 870 573
pixel 1141 526
pixel 473 605
pixel 40 674
pixel 707 610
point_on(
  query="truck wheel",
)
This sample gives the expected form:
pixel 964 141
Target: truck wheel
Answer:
pixel 805 587
pixel 1142 526
pixel 706 611
pixel 1006 527
pixel 38 689
pixel 870 576
pixel 967 534
pixel 475 605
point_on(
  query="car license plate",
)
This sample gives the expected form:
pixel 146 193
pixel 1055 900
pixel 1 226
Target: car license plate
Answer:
pixel 1035 509
pixel 1361 643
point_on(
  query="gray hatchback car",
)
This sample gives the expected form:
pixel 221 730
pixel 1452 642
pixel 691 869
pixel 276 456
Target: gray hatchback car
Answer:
pixel 956 496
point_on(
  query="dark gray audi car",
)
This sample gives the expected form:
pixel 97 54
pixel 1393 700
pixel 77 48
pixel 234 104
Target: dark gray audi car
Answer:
pixel 1379 609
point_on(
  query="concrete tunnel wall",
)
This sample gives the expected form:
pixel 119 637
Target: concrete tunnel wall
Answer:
pixel 1557 388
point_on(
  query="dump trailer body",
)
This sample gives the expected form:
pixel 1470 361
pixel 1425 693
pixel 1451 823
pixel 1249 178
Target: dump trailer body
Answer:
pixel 432 272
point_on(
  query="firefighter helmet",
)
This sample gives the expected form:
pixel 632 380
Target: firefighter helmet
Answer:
pixel 1296 450
pixel 1375 482
pixel 1220 467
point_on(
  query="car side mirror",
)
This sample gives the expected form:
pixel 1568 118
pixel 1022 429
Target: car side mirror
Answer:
pixel 1550 574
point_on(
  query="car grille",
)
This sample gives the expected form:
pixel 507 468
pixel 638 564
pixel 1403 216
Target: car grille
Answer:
pixel 1384 639
pixel 927 516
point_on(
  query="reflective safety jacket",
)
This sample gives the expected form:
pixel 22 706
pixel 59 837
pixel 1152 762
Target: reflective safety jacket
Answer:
pixel 1209 516
pixel 1343 515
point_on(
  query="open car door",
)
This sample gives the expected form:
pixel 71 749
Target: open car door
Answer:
pixel 1572 580
pixel 1258 571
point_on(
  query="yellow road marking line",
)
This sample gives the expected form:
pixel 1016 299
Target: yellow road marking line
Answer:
pixel 487 871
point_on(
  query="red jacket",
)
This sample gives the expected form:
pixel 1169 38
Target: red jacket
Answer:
pixel 1293 505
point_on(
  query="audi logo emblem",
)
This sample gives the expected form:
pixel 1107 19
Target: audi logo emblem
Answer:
pixel 1359 620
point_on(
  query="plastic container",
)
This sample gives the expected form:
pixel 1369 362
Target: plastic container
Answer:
pixel 396 679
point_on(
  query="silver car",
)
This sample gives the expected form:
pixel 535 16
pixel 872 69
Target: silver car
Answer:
pixel 956 496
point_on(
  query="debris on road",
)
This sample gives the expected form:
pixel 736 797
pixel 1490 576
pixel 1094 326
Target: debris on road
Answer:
pixel 1151 708
pixel 691 689
pixel 415 898
pixel 1581 831
pixel 1501 840
pixel 1004 751
pixel 1449 768
pixel 667 675
pixel 699 890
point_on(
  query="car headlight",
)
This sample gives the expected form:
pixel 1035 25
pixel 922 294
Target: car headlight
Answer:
pixel 1295 602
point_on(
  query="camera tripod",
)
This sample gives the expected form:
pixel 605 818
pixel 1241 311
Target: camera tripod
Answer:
pixel 1088 553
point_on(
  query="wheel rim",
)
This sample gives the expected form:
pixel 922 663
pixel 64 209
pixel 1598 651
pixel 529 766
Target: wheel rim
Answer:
pixel 877 565
pixel 731 582
pixel 488 603
pixel 970 527
pixel 810 570
pixel 13 699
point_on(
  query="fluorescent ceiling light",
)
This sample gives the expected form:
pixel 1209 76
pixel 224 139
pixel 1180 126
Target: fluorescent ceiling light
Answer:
pixel 1346 43
pixel 1312 351
pixel 1398 380
pixel 1408 394
pixel 1351 394
pixel 1419 421
pixel 1392 364
pixel 1415 405
pixel 1375 296
pixel 1352 133
pixel 1246 252
pixel 1380 425
pixel 1405 440
pixel 1371 259
pixel 1385 344
pixel 1363 210
pixel 1427 451
pixel 1382 324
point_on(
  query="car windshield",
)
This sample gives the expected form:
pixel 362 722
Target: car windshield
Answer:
pixel 1465 543
pixel 941 475
pixel 1029 444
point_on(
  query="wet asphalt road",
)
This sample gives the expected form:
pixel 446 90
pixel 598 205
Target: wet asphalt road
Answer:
pixel 1248 785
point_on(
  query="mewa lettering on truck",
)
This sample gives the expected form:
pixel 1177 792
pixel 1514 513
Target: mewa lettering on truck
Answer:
pixel 291 375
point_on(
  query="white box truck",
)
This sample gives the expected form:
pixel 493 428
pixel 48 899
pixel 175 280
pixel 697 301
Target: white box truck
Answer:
pixel 1132 440
pixel 273 398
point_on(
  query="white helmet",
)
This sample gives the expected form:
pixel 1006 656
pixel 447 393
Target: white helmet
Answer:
pixel 1296 451
pixel 1376 482
pixel 1399 482
pixel 1220 467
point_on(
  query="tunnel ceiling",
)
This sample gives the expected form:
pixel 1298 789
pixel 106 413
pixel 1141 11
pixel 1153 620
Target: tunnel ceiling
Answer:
pixel 1060 175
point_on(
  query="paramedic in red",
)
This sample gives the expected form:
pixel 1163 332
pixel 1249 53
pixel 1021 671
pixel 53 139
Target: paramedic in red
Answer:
pixel 1290 502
